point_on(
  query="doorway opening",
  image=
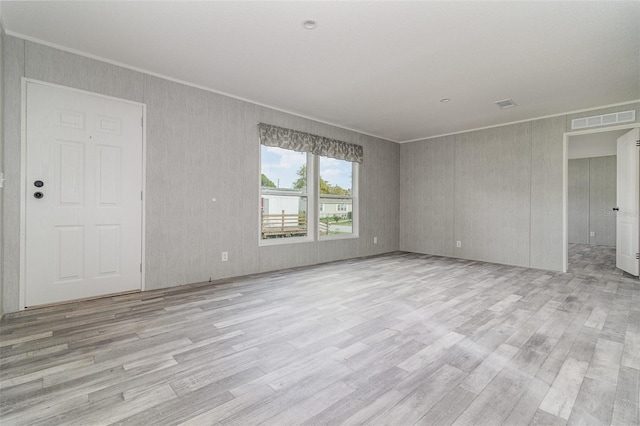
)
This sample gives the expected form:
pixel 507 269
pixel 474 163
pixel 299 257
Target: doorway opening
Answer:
pixel 591 187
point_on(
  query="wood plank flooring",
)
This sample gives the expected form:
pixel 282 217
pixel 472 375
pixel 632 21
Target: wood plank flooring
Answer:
pixel 398 339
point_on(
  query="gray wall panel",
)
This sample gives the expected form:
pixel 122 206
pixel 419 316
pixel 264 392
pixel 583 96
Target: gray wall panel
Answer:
pixel 546 193
pixel 602 198
pixel 592 195
pixel 167 127
pixel 2 35
pixel 379 197
pixel 492 194
pixel 287 256
pixel 250 217
pixel 330 250
pixel 13 72
pixel 427 196
pixel 578 201
pixel 229 185
pixel 67 69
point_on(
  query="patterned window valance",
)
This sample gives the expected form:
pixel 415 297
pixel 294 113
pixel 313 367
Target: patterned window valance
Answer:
pixel 306 142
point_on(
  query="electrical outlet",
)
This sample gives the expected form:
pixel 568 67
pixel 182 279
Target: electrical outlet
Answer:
pixel 375 240
pixel 225 256
pixel 458 243
pixel 592 234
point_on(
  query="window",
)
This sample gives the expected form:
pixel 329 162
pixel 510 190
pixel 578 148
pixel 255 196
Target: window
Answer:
pixel 336 195
pixel 284 196
pixel 308 186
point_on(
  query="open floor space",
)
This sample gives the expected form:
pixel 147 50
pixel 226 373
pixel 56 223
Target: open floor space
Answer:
pixel 394 339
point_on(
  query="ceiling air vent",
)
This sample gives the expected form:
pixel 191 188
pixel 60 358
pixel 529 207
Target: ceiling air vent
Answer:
pixel 505 103
pixel 603 120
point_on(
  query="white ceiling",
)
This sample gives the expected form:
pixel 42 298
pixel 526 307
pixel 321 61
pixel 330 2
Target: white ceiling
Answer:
pixel 376 67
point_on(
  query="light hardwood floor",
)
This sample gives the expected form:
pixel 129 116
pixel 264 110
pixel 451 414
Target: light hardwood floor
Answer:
pixel 397 339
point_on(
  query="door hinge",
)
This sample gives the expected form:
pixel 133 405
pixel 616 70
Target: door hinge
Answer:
pixel 140 195
pixel 141 121
pixel 141 268
pixel 638 142
pixel 637 256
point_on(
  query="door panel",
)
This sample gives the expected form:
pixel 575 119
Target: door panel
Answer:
pixel 70 168
pixel 109 176
pixel 628 200
pixel 69 252
pixel 108 252
pixel 83 236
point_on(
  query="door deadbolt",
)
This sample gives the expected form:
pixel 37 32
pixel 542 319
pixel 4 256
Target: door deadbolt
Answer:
pixel 38 184
pixel 38 195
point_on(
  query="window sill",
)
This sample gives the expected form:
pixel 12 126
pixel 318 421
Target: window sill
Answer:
pixel 337 237
pixel 298 240
pixel 283 241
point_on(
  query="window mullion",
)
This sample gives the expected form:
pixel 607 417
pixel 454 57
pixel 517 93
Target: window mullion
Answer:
pixel 355 199
pixel 314 201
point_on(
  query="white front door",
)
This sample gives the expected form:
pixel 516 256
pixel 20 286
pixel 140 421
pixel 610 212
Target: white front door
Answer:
pixel 83 210
pixel 628 222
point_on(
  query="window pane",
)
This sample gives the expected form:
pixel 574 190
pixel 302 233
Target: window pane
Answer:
pixel 283 193
pixel 336 196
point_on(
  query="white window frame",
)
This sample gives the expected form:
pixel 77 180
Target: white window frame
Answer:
pixel 313 212
pixel 354 207
pixel 312 227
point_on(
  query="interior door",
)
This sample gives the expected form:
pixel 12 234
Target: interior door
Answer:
pixel 628 187
pixel 83 210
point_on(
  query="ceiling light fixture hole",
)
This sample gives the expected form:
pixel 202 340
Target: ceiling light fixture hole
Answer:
pixel 309 24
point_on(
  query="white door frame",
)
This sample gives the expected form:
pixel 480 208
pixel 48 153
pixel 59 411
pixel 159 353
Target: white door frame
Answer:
pixel 565 181
pixel 23 176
